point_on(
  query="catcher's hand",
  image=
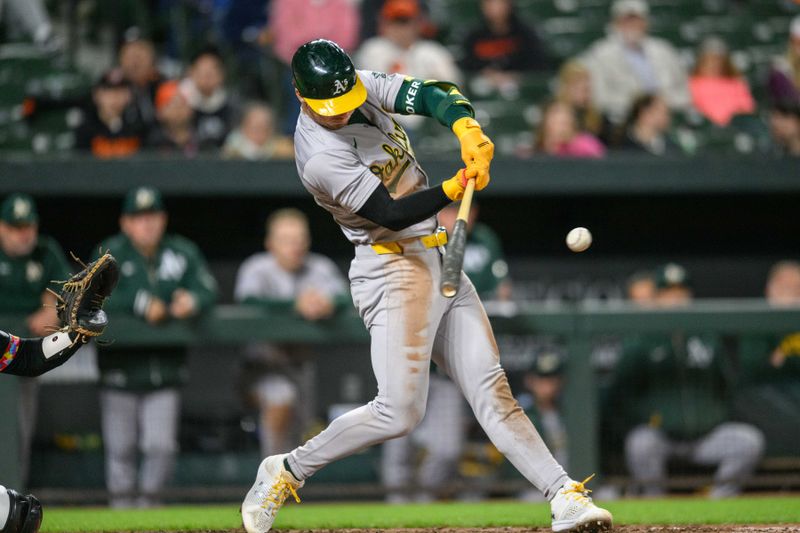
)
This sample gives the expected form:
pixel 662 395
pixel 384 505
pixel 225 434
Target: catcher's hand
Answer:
pixel 80 301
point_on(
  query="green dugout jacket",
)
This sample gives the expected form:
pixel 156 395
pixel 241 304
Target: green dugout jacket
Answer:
pixel 678 382
pixel 24 279
pixel 178 263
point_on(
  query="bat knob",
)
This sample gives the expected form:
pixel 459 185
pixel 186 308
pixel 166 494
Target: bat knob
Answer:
pixel 448 290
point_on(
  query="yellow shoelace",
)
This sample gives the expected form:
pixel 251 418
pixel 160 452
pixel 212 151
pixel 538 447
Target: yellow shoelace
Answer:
pixel 578 491
pixel 279 492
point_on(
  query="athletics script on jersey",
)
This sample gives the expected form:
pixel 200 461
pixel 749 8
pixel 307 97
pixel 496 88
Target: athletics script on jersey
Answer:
pixel 391 170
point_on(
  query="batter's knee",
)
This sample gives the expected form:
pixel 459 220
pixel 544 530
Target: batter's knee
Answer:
pixel 398 421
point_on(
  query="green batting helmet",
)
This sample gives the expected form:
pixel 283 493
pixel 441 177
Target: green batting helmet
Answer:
pixel 326 78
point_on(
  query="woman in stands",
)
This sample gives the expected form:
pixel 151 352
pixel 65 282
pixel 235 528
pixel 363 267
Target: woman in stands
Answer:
pixel 719 92
pixel 575 88
pixel 558 134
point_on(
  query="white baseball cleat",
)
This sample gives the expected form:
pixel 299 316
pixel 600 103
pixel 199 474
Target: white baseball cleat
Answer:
pixel 574 511
pixel 273 485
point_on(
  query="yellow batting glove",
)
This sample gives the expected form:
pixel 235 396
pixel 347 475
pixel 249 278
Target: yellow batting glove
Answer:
pixel 477 149
pixel 454 187
pixel 482 179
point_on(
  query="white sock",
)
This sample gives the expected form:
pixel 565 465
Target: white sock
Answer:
pixel 5 506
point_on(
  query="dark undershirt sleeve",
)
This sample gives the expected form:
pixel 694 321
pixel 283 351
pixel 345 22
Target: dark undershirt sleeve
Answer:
pixel 30 359
pixel 401 213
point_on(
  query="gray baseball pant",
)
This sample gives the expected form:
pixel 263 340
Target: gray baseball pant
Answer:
pixel 397 296
pixel 441 435
pixel 734 447
pixel 134 423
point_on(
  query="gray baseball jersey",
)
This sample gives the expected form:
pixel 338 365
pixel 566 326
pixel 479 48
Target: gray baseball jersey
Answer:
pixel 260 276
pixel 342 168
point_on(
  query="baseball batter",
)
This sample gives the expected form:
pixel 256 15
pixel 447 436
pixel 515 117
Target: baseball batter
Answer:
pixel 358 163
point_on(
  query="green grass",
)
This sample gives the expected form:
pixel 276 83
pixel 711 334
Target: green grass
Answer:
pixel 334 516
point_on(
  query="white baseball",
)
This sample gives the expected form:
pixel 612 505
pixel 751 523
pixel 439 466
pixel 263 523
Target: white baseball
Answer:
pixel 579 239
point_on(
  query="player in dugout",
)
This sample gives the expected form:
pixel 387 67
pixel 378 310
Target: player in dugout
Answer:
pixel 358 163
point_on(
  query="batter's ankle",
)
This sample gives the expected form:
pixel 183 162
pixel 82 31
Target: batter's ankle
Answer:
pixel 289 468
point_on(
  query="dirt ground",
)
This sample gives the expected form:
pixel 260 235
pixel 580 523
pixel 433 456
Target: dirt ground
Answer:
pixel 771 528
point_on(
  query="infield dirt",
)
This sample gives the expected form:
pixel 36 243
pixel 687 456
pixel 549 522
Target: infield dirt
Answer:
pixel 721 528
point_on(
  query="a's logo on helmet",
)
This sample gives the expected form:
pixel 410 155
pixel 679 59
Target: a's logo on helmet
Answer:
pixel 340 86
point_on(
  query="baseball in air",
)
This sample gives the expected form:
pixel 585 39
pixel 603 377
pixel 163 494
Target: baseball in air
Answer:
pixel 579 239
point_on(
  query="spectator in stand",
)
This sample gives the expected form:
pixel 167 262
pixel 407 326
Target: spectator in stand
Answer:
pixel 784 77
pixel 137 60
pixel 255 138
pixel 292 23
pixel 503 46
pixel 647 127
pixel 630 62
pixel 718 90
pixel 175 132
pixel 241 29
pixel 575 89
pixel 31 17
pixel 400 48
pixel 111 128
pixel 285 278
pixel 204 88
pixel 295 22
pixel 675 388
pixel 784 122
pixel 558 134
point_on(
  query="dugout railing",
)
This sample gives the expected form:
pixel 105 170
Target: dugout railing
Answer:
pixel 578 325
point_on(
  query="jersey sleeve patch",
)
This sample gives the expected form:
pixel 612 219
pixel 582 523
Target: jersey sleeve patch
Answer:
pixel 382 87
pixel 10 353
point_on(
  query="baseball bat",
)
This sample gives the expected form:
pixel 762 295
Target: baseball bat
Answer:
pixel 454 258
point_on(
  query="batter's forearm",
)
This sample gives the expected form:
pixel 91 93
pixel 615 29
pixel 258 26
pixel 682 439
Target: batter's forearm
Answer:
pixel 440 100
pixel 34 357
pixel 398 214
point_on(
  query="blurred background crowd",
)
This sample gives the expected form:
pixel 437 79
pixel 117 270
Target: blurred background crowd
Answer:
pixel 155 80
pixel 564 78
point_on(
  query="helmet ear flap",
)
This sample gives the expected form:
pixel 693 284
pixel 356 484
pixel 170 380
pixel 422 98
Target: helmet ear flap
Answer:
pixel 25 514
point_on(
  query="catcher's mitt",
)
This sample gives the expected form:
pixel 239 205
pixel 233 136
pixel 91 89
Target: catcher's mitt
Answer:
pixel 80 302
